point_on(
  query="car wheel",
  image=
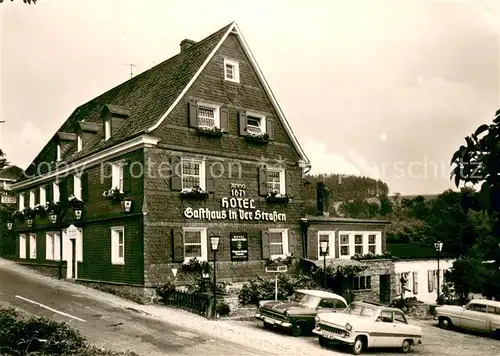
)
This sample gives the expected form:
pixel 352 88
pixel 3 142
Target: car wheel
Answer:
pixel 297 329
pixel 358 346
pixel 406 346
pixel 268 326
pixel 323 342
pixel 444 323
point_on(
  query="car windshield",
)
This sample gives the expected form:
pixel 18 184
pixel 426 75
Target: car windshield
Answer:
pixel 361 310
pixel 307 300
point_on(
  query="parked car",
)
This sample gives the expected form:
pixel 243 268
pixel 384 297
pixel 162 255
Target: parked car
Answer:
pixel 364 325
pixel 297 314
pixel 479 315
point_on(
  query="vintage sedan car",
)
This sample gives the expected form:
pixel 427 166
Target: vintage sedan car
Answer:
pixel 364 325
pixel 479 315
pixel 297 314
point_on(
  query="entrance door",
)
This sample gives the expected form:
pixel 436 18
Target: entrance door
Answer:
pixel 330 237
pixel 385 288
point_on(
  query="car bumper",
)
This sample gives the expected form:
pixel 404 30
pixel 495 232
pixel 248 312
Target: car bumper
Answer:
pixel 272 321
pixel 333 337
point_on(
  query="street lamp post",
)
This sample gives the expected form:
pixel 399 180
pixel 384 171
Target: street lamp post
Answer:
pixel 214 244
pixel 323 245
pixel 438 246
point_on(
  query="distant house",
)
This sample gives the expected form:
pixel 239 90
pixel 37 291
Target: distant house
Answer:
pixel 419 265
pixel 9 175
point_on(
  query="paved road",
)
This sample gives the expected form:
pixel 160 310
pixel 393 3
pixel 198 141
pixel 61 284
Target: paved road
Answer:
pixel 108 326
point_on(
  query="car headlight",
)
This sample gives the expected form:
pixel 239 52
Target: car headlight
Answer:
pixel 348 327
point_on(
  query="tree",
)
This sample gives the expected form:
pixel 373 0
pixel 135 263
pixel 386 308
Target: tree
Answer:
pixel 466 276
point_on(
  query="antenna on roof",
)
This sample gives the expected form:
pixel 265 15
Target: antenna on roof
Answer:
pixel 131 65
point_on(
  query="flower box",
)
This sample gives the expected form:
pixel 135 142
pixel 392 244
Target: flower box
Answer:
pixel 277 198
pixel 195 265
pixel 52 207
pixel 75 203
pixel 257 138
pixel 194 193
pixel 126 205
pixel 29 213
pixel 114 194
pixel 18 215
pixel 280 261
pixel 39 210
pixel 210 131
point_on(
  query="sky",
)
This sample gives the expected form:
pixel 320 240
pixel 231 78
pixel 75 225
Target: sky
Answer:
pixel 377 88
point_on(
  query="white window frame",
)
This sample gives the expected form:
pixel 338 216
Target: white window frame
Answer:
pixel 281 172
pixel 262 122
pixel 21 201
pixel 79 142
pixel 215 108
pixel 363 240
pixel 348 244
pixel 115 245
pixel 366 234
pixel 52 246
pixel 107 129
pixel 202 171
pixel 55 192
pixel 284 242
pixel 117 175
pixel 22 246
pixel 369 244
pixel 236 70
pixel 58 152
pixel 77 186
pixel 42 193
pixel 33 251
pixel 203 241
pixel 32 199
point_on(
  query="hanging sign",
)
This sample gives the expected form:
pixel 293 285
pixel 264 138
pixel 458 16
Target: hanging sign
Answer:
pixel 239 246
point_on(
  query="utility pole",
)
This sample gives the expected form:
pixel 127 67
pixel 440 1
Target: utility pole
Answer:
pixel 131 65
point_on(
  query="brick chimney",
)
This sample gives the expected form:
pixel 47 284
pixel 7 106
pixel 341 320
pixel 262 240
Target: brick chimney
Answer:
pixel 497 114
pixel 186 43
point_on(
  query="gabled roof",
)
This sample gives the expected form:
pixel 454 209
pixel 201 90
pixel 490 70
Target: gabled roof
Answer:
pixel 413 251
pixel 151 96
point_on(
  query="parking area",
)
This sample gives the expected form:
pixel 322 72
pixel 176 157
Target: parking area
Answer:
pixel 436 342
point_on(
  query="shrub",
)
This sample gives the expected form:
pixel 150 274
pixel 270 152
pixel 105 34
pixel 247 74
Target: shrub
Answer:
pixel 223 308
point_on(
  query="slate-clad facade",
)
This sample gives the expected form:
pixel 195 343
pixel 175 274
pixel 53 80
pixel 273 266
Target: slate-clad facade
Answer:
pixel 200 147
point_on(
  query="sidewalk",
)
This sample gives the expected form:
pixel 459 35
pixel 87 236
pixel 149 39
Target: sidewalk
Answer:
pixel 244 333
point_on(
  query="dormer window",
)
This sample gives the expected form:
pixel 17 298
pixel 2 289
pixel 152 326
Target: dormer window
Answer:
pixel 79 143
pixel 231 71
pixel 256 124
pixel 107 129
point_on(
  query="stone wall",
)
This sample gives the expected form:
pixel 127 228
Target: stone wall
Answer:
pixel 375 269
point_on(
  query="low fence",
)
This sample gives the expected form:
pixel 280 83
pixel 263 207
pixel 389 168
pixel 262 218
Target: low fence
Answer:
pixel 196 303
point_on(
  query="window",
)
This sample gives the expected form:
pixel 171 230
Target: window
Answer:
pixel 372 243
pixel 21 201
pixel 278 243
pixel 118 245
pixel 22 246
pixel 208 115
pixel 116 176
pixel 358 244
pixel 493 310
pixel 195 244
pixel 399 318
pixel 276 180
pixel 107 129
pixel 58 152
pixel 193 174
pixel 42 195
pixel 326 303
pixel 344 245
pixel 385 316
pixel 33 246
pixel 77 186
pixel 415 282
pixel 477 308
pixel 32 199
pixel 55 191
pixel 361 283
pixel 325 237
pixel 256 124
pixel 231 71
pixel 79 142
pixel 52 246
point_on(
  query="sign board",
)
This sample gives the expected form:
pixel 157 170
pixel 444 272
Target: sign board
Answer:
pixel 72 231
pixel 239 246
pixel 276 269
pixel 7 199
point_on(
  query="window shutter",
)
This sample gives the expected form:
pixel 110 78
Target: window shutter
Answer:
pixel 127 178
pixel 263 184
pixel 108 173
pixel 176 170
pixel 26 199
pixel 49 192
pixel 37 196
pixel 430 274
pixel 48 247
pixel 415 282
pixel 63 190
pixel 177 245
pixel 224 119
pixel 70 185
pixel 85 186
pixel 193 114
pixel 289 183
pixel 212 172
pixel 337 245
pixel 57 246
pixel 270 128
pixel 291 242
pixel 434 279
pixel 242 119
pixel 266 247
pixel 398 283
